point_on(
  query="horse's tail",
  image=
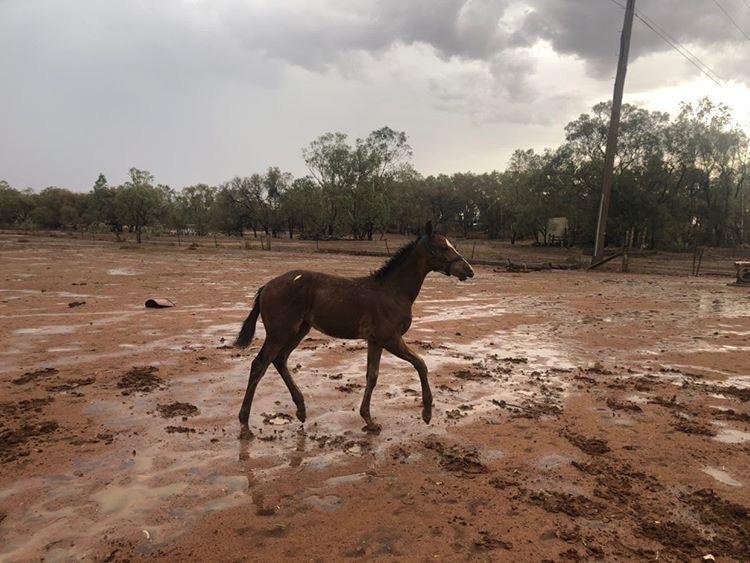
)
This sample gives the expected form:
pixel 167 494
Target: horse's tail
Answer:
pixel 248 327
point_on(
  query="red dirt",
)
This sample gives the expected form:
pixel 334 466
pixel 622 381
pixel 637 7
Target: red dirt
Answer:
pixel 577 416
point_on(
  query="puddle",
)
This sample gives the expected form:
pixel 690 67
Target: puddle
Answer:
pixel 122 499
pixel 729 305
pixel 345 479
pixel 728 435
pixel 123 272
pixel 46 330
pixel 175 479
pixel 721 476
pixel 328 502
pixel 552 461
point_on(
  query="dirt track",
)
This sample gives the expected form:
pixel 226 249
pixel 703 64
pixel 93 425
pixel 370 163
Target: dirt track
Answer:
pixel 577 415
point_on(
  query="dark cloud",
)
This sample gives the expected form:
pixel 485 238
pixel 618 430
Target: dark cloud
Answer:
pixel 196 85
pixel 586 28
pixel 314 35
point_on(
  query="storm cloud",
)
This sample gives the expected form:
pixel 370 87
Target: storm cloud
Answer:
pixel 199 90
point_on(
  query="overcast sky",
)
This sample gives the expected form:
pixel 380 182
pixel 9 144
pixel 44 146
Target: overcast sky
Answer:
pixel 202 90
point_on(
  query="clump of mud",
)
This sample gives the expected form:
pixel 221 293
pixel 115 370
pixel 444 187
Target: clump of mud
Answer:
pixel 179 430
pixel 740 393
pixel 725 528
pixel 693 427
pixel 25 405
pixel 458 459
pixel 177 409
pixel 13 440
pixel 503 482
pixel 572 505
pixel 675 535
pixel 616 405
pixel 140 378
pixel 729 521
pixel 348 387
pixel 671 403
pixel 71 384
pixel 731 414
pixel 591 446
pixel 488 542
pixel 512 360
pixel 471 375
pixel 34 375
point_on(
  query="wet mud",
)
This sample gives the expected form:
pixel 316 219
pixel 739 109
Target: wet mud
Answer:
pixel 577 416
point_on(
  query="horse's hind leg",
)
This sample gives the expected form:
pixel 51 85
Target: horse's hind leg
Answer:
pixel 374 351
pixel 280 363
pixel 267 353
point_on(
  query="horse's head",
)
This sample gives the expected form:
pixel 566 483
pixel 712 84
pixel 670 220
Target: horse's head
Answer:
pixel 442 256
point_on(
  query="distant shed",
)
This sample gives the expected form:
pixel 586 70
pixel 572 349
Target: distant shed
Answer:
pixel 557 230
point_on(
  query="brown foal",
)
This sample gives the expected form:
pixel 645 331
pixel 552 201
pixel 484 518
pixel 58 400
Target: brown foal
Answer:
pixel 376 308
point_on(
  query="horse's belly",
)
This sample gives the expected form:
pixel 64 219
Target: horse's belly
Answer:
pixel 339 326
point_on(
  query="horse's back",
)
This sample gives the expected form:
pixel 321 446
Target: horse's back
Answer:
pixel 338 306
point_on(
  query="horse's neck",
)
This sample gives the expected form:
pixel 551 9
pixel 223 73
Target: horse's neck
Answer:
pixel 408 278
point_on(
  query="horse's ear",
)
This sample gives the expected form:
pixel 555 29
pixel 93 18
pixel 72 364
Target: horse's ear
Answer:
pixel 440 229
pixel 428 228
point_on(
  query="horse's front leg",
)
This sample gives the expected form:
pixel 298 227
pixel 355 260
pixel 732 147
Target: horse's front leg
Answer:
pixel 398 348
pixel 374 351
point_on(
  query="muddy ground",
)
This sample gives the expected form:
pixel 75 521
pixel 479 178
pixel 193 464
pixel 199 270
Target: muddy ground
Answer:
pixel 577 416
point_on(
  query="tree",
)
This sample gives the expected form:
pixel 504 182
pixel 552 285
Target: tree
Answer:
pixel 15 206
pixel 139 203
pixel 102 206
pixel 57 208
pixel 356 180
pixel 193 207
pixel 226 215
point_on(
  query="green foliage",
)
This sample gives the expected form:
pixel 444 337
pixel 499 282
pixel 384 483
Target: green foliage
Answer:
pixel 678 182
pixel 138 202
pixel 16 206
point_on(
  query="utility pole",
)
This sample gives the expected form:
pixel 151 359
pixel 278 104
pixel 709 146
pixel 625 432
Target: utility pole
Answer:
pixel 614 126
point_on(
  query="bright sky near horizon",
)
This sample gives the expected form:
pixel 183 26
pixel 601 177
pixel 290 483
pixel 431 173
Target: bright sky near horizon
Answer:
pixel 202 90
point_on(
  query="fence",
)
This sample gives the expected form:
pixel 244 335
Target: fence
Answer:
pixel 713 261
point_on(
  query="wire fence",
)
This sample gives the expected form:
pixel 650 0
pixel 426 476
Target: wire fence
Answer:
pixel 499 254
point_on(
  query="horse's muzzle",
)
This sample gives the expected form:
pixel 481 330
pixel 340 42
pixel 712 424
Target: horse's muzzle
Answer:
pixel 461 269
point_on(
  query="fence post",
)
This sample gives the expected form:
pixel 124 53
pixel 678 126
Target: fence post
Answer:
pixel 473 247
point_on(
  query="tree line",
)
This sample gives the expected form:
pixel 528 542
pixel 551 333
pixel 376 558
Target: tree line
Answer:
pixel 678 182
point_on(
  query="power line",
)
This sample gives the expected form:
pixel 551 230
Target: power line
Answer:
pixel 676 45
pixel 647 20
pixel 731 19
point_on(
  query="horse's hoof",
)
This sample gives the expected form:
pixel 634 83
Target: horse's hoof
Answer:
pixel 372 428
pixel 246 433
pixel 427 416
pixel 301 416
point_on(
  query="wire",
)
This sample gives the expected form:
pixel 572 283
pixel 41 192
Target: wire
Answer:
pixel 645 19
pixel 731 19
pixel 676 45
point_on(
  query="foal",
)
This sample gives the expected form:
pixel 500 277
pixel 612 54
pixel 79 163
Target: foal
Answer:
pixel 376 308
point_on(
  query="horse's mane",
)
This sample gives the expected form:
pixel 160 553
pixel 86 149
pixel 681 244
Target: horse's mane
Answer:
pixel 394 261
